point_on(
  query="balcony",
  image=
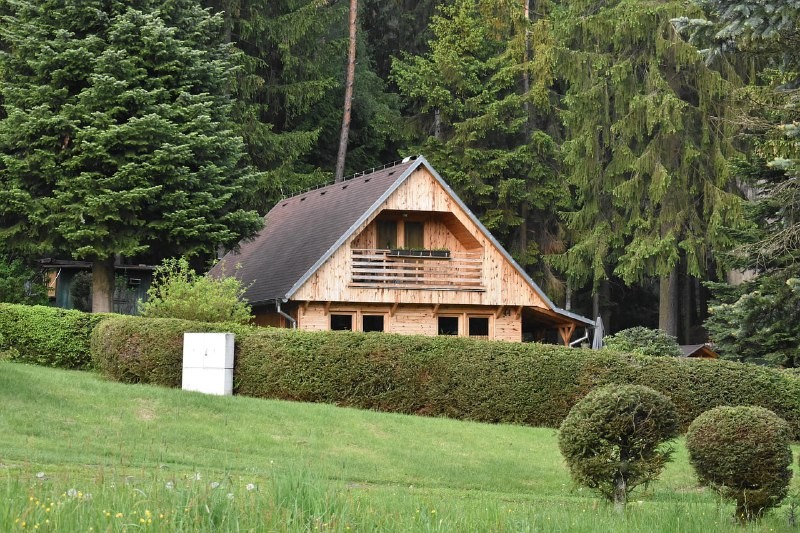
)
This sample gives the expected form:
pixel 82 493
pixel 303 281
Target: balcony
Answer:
pixel 388 269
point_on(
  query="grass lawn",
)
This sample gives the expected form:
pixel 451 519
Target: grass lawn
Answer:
pixel 78 453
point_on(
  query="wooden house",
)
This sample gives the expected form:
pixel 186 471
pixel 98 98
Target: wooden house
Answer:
pixel 392 250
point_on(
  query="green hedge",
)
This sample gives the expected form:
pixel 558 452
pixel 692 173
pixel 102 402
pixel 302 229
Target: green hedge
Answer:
pixel 531 384
pixel 47 336
pixel 145 350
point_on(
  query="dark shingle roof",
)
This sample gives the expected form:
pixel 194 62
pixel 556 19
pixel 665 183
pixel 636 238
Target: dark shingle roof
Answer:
pixel 300 231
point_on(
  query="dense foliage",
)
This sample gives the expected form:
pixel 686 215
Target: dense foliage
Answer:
pixel 742 452
pixel 614 439
pixel 532 384
pixel 609 146
pixel 644 341
pixel 117 137
pixel 20 283
pixel 179 292
pixel 47 336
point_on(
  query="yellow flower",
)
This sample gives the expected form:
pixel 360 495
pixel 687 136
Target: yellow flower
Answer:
pixel 119 515
pixel 147 513
pixel 141 520
pixel 161 515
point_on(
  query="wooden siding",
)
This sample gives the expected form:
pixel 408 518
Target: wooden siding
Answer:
pixel 421 196
pixel 410 319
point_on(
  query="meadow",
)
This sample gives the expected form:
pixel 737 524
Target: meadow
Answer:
pixel 78 453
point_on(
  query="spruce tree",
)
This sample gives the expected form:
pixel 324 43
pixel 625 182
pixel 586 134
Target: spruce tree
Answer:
pixel 648 137
pixel 482 130
pixel 117 139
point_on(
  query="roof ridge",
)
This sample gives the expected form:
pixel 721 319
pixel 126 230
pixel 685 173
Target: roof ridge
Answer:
pixel 351 177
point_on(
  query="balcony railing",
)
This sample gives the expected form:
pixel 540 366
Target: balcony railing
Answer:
pixel 380 268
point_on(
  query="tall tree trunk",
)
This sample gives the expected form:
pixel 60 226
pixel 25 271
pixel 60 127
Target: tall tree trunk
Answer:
pixel 526 77
pixel 668 303
pixel 437 124
pixel 620 493
pixel 348 93
pixel 103 285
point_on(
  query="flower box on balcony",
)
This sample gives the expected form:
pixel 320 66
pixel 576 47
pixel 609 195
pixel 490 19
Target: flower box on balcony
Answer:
pixel 433 254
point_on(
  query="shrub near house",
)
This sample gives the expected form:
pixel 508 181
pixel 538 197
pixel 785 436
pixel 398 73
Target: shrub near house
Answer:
pixel 519 383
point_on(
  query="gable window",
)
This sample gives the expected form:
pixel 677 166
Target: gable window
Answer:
pixel 414 236
pixel 478 326
pixel 341 322
pixel 372 323
pixel 448 325
pixel 387 234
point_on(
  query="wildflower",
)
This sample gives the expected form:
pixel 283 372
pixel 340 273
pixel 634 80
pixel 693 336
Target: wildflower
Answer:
pixel 169 485
pixel 141 520
pixel 230 495
pixel 147 513
pixel 197 476
pixel 250 486
pixel 72 493
pixel 119 515
pixel 161 515
pixel 214 484
pixel 40 475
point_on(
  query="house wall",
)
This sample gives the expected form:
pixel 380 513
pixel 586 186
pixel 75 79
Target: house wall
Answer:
pixel 411 319
pixel 503 285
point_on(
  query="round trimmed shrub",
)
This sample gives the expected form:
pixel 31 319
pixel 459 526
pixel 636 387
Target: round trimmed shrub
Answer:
pixel 644 341
pixel 743 453
pixel 613 439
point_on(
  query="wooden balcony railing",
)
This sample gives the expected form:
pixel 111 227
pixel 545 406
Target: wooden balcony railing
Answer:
pixel 378 268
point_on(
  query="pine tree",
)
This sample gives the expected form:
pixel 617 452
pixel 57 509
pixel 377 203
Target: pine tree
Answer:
pixel 646 155
pixel 118 138
pixel 482 129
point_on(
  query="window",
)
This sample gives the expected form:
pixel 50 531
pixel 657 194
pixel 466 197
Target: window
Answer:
pixel 448 325
pixel 372 323
pixel 414 237
pixel 387 234
pixel 341 322
pixel 479 326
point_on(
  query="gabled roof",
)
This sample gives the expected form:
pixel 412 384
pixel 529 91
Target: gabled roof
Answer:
pixel 699 350
pixel 302 232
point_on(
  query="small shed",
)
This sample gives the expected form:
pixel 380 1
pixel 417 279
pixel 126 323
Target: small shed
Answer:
pixel 702 351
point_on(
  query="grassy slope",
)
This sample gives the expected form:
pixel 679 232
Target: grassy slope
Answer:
pixel 315 466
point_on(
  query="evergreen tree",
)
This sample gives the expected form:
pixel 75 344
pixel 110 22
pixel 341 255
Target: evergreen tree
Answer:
pixel 117 138
pixel 646 155
pixel 483 131
pixel 757 320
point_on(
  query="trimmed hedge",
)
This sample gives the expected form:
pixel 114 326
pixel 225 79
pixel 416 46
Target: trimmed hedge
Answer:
pixel 47 336
pixel 742 452
pixel 145 350
pixel 490 381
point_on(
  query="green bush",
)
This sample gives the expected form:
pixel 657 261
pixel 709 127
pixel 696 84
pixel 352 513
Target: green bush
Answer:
pixel 178 292
pixel 742 452
pixel 613 439
pixel 47 336
pixel 491 381
pixel 20 283
pixel 643 341
pixel 136 350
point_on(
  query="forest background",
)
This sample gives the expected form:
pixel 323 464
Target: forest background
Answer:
pixel 633 156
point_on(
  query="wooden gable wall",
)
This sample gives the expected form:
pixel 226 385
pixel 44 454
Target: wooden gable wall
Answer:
pixel 422 192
